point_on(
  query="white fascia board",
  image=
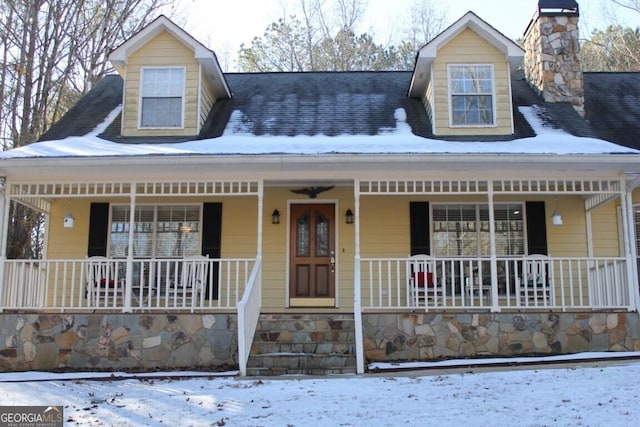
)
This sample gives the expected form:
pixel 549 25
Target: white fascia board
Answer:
pixel 145 167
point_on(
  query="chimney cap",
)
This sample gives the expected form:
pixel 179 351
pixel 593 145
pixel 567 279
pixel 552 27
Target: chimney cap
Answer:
pixel 558 8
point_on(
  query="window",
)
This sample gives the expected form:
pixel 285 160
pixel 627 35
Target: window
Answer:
pixel 161 97
pixel 168 231
pixel 471 89
pixel 463 230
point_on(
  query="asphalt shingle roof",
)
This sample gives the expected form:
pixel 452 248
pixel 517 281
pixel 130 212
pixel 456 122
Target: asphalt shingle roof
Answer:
pixel 612 102
pixel 89 111
pixel 362 103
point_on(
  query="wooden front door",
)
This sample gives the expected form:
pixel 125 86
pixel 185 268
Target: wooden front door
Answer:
pixel 312 255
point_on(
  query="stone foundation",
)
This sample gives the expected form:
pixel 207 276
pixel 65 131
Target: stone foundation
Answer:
pixel 422 337
pixel 131 342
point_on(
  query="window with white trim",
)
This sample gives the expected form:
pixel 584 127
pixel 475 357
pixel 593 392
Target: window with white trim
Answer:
pixel 463 229
pixel 161 97
pixel 471 92
pixel 160 231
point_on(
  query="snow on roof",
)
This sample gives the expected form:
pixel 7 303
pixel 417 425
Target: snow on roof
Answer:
pixel 238 140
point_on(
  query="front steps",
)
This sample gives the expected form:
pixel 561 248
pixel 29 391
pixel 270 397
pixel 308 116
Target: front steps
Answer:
pixel 303 344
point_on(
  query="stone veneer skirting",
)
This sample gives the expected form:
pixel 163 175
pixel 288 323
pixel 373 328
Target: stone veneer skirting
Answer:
pixel 421 337
pixel 131 342
pixel 139 342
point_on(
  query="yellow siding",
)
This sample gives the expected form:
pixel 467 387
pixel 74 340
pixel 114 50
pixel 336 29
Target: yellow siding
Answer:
pixel 163 51
pixel 275 247
pixel 428 99
pixel 606 232
pixel 207 99
pixel 635 196
pixel 469 48
pixel 384 230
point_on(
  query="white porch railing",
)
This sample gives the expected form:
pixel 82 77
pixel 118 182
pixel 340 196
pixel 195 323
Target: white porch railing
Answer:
pixel 520 283
pixel 155 284
pixel 248 315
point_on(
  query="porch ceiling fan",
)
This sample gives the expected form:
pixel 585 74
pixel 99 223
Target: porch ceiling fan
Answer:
pixel 312 192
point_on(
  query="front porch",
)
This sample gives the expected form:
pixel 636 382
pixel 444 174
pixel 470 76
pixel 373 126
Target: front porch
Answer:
pixel 396 310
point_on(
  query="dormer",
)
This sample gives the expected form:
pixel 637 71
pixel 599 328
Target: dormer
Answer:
pixel 463 77
pixel 170 79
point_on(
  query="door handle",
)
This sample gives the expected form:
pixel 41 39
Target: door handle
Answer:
pixel 333 262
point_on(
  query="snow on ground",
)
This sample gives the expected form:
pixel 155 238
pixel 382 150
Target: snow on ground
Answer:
pixel 601 394
pixel 399 140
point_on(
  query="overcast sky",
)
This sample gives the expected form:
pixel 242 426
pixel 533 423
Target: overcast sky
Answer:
pixel 223 25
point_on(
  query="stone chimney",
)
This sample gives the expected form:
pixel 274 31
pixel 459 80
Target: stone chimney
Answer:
pixel 552 58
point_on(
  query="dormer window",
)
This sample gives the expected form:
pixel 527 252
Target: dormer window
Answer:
pixel 471 90
pixel 162 97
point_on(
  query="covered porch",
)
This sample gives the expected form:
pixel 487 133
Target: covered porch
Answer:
pixel 496 261
pixel 383 278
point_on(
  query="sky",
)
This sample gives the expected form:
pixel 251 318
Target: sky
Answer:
pixel 575 394
pixel 223 25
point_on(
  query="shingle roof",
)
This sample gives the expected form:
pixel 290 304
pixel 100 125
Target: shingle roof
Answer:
pixel 89 111
pixel 290 104
pixel 362 103
pixel 612 102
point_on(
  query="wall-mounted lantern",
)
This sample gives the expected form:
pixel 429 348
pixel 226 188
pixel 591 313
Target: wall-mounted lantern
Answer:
pixel 348 216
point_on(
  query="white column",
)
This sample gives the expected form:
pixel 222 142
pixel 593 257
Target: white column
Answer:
pixel 494 260
pixel 628 228
pixel 357 295
pixel 589 234
pixel 4 226
pixel 129 279
pixel 260 218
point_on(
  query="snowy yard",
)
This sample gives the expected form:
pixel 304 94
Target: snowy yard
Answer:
pixel 600 394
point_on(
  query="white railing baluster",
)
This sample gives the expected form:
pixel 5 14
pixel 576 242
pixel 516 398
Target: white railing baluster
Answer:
pixel 463 285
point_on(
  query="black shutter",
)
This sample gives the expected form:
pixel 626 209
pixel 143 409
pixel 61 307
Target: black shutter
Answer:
pixel 98 229
pixel 536 228
pixel 419 218
pixel 211 240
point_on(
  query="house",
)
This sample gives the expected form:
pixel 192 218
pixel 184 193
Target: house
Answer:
pixel 318 222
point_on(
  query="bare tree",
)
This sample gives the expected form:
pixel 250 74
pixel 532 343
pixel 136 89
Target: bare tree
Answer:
pixel 52 52
pixel 615 49
pixel 633 5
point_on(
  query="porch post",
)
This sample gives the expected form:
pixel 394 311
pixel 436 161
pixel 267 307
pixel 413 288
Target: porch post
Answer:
pixel 260 218
pixel 357 297
pixel 4 224
pixel 129 279
pixel 589 234
pixel 629 247
pixel 494 260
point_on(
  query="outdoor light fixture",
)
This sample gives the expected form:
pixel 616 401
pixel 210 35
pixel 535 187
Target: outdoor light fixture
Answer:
pixel 348 216
pixel 69 220
pixel 275 217
pixel 556 218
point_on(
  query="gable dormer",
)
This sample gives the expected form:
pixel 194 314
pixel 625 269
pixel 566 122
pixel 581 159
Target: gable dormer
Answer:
pixel 170 79
pixel 463 77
